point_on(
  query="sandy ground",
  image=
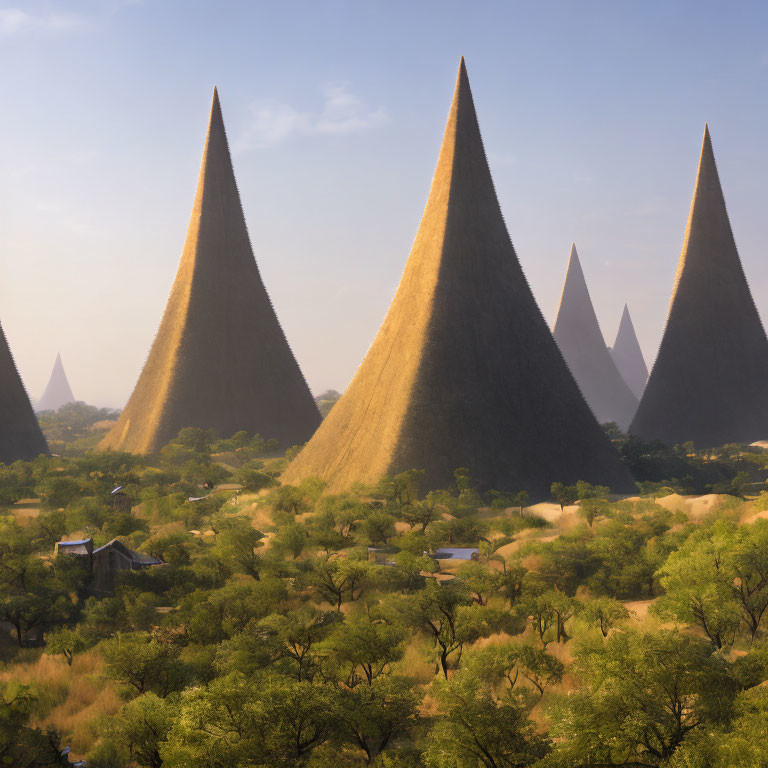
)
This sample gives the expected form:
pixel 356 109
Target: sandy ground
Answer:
pixel 25 510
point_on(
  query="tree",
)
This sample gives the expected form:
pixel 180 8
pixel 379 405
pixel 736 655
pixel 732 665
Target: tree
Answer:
pixel 34 593
pixel 140 729
pixel 603 612
pixel 66 641
pixel 336 577
pixel 409 567
pixel 236 544
pixel 361 649
pixel 699 586
pixel 378 526
pixel 743 742
pixel 476 728
pixel 564 495
pixel 296 636
pixel 376 715
pixel 214 615
pixel 22 746
pixel 144 664
pixel 509 662
pixel 546 610
pixel 447 614
pixel 291 539
pixel 590 509
pixel 521 500
pixel 642 695
pixel 480 579
pixel 268 720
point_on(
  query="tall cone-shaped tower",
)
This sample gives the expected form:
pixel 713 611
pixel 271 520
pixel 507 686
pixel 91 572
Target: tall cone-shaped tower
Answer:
pixel 220 359
pixel 581 341
pixel 464 371
pixel 708 383
pixel 20 434
pixel 58 392
pixel 628 356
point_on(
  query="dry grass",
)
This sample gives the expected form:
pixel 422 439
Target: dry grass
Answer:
pixel 69 698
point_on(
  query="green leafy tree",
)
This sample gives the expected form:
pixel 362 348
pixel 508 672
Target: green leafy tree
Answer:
pixel 289 641
pixel 67 641
pixel 361 649
pixel 477 728
pixel 602 612
pixel 374 716
pixel 564 495
pixel 268 721
pixel 22 746
pixel 447 614
pixel 236 544
pixel 143 664
pixel 339 577
pixel 590 509
pixel 480 579
pixel 140 729
pixel 699 587
pixel 642 695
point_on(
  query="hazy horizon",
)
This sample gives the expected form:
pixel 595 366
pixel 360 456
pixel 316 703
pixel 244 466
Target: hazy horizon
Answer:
pixel 592 116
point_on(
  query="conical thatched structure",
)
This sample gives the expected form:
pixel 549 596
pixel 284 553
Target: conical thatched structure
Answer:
pixel 628 356
pixel 220 359
pixel 581 341
pixel 58 392
pixel 708 383
pixel 464 371
pixel 20 434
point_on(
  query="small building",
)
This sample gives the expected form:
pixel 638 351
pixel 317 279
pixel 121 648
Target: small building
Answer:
pixel 106 561
pixel 456 553
pixel 121 501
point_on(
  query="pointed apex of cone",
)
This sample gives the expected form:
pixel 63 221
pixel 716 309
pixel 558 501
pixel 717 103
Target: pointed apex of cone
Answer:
pixel 57 392
pixel 628 356
pixel 220 359
pixel 708 382
pixel 577 333
pixel 436 390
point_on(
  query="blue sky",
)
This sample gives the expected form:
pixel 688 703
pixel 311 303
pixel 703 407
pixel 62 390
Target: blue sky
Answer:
pixel 592 115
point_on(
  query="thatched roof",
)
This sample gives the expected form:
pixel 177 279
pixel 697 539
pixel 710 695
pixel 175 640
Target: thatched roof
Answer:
pixel 20 434
pixel 464 371
pixel 220 359
pixel 628 356
pixel 581 341
pixel 708 383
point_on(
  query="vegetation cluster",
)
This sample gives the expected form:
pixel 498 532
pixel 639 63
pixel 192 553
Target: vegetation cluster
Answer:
pixel 291 627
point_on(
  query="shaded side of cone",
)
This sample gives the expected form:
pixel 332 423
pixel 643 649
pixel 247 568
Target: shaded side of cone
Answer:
pixel 708 383
pixel 20 435
pixel 628 356
pixel 57 392
pixel 464 371
pixel 220 359
pixel 577 333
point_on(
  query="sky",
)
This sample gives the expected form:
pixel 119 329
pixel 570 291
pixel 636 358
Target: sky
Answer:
pixel 592 114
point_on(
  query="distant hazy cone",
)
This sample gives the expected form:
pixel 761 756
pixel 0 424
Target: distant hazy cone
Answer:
pixel 220 359
pixel 628 356
pixel 581 341
pixel 58 391
pixel 20 435
pixel 709 383
pixel 464 371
